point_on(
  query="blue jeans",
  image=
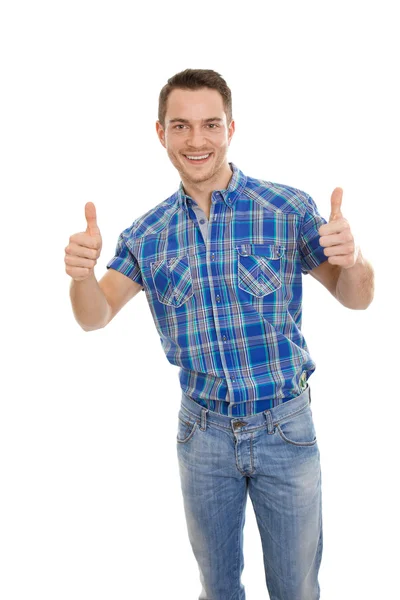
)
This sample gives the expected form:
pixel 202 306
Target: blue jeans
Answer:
pixel 274 456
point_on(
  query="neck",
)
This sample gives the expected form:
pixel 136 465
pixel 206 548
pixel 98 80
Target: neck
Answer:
pixel 201 191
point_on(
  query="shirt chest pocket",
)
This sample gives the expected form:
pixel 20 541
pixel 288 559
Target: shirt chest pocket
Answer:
pixel 259 268
pixel 172 280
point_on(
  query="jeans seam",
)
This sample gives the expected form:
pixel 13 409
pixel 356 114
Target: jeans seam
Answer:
pixel 239 532
pixel 285 439
pixel 295 412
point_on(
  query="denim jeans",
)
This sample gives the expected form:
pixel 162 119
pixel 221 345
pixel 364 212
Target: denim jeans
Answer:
pixel 273 456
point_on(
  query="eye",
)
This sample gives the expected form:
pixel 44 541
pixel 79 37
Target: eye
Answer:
pixel 177 126
pixel 213 125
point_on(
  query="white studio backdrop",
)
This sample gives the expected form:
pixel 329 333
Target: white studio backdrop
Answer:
pixel 90 502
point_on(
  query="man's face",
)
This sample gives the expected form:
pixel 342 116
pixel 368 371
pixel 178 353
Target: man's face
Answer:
pixel 195 125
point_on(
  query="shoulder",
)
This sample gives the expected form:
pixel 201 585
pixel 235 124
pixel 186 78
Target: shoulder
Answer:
pixel 278 196
pixel 155 219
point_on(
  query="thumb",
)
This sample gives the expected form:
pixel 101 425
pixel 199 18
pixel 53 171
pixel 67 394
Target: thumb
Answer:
pixel 336 204
pixel 90 214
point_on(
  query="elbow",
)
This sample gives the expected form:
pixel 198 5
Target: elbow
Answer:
pixel 358 305
pixel 93 328
pixel 100 325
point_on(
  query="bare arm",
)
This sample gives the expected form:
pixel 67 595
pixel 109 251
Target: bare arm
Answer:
pixel 118 290
pixel 95 303
pixel 89 304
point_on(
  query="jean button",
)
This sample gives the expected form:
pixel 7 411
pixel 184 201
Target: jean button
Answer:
pixel 238 424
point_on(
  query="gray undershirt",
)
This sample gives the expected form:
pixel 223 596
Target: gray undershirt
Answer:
pixel 201 219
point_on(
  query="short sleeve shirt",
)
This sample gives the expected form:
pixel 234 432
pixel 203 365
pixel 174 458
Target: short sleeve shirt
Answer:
pixel 226 294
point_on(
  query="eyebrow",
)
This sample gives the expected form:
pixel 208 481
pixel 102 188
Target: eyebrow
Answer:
pixel 176 120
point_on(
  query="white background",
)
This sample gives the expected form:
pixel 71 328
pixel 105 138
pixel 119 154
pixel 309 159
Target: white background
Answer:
pixel 90 502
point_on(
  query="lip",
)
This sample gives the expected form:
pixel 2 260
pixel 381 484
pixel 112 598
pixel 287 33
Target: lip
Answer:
pixel 198 162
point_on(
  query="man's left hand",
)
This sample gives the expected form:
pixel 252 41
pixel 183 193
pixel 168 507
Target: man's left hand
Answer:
pixel 337 237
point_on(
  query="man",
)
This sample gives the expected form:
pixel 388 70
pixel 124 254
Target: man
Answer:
pixel 221 263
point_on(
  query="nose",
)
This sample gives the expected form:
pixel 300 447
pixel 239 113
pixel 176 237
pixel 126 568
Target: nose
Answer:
pixel 196 139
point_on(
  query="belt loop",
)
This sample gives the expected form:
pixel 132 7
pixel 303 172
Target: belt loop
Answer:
pixel 268 416
pixel 203 418
pixel 309 393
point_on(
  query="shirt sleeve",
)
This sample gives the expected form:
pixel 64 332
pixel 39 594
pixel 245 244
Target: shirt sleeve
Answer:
pixel 124 261
pixel 311 252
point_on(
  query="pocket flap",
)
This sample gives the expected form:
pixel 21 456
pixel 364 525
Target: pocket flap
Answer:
pixel 270 251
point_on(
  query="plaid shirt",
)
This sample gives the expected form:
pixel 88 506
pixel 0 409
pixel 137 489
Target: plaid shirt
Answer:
pixel 228 306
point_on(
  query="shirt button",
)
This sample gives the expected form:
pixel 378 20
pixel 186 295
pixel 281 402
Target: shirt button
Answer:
pixel 232 379
pixel 202 221
pixel 218 298
pixel 224 338
pixel 212 256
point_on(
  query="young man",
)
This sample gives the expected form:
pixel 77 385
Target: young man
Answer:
pixel 221 263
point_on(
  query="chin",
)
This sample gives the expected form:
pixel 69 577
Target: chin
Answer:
pixel 199 178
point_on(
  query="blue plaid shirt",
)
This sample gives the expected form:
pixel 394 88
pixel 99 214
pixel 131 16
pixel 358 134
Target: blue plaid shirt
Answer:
pixel 228 306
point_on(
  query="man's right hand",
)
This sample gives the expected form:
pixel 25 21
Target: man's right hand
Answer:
pixel 84 248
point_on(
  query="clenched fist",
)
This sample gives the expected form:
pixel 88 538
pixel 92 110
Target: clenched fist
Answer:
pixel 84 248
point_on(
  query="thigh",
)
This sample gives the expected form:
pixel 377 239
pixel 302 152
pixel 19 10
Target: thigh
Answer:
pixel 214 495
pixel 285 491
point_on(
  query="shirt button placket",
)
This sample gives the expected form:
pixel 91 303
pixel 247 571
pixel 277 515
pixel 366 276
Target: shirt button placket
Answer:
pixel 224 338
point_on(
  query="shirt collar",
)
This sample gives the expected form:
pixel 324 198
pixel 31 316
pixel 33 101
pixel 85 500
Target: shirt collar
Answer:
pixel 236 184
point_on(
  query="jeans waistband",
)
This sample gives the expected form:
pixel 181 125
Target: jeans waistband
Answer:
pixel 273 415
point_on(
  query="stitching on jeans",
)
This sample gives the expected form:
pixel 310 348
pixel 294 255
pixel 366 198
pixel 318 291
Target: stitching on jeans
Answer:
pixel 238 538
pixel 295 412
pixel 251 454
pixel 296 443
pixel 188 437
pixel 188 423
pixel 197 418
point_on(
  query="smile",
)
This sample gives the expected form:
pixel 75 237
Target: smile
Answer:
pixel 197 159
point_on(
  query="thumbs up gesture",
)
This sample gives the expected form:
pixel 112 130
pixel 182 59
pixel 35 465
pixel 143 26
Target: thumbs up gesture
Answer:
pixel 84 248
pixel 337 238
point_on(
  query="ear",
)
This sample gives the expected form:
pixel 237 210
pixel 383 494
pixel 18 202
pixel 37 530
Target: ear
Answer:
pixel 160 133
pixel 231 131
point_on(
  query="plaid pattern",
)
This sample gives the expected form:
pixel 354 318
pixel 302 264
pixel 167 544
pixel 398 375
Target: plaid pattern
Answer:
pixel 229 311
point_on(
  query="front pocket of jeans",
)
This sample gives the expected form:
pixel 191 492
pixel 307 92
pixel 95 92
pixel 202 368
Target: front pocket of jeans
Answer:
pixel 259 268
pixel 172 280
pixel 298 429
pixel 186 428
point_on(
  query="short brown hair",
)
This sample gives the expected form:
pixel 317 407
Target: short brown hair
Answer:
pixel 195 79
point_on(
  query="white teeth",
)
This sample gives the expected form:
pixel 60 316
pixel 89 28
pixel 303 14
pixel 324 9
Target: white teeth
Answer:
pixel 198 157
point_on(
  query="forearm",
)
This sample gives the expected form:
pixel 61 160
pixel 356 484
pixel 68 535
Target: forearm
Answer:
pixel 89 304
pixel 355 286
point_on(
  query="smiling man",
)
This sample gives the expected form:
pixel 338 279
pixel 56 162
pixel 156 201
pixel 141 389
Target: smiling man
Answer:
pixel 196 135
pixel 221 262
